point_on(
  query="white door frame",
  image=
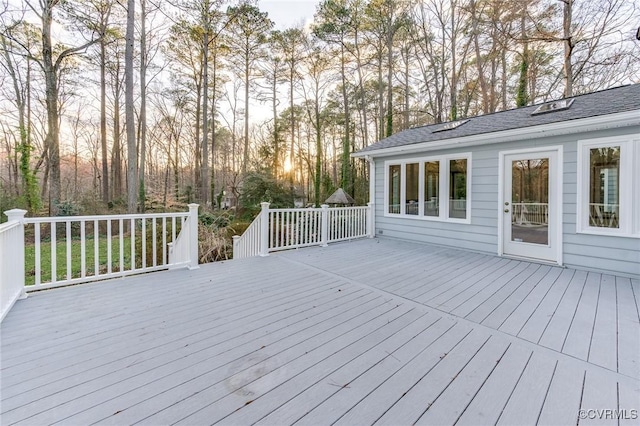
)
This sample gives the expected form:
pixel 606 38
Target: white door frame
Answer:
pixel 557 197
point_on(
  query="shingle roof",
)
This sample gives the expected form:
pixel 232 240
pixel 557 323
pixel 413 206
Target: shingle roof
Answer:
pixel 610 101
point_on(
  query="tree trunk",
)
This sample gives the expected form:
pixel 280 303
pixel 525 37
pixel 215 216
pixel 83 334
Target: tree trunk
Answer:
pixel 568 47
pixel 103 121
pixel 453 91
pixel 479 60
pixel 346 145
pixel 116 150
pixel 204 188
pixel 389 129
pixel 132 152
pixel 143 105
pixel 245 157
pixel 52 138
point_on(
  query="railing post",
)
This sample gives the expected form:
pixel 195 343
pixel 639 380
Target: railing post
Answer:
pixel 193 236
pixel 324 230
pixel 370 219
pixel 264 229
pixel 236 243
pixel 17 215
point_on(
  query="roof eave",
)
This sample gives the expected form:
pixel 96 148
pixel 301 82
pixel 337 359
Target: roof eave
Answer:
pixel 601 122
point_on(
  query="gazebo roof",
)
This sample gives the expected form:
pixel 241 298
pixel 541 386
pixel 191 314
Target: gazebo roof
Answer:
pixel 340 197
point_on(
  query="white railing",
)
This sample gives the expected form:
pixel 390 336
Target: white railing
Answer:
pixel 347 223
pixel 530 214
pixel 294 228
pixel 282 229
pixel 248 245
pixel 604 215
pixel 67 250
pixel 11 259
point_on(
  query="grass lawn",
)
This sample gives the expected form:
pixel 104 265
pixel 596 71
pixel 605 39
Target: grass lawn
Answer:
pixel 76 257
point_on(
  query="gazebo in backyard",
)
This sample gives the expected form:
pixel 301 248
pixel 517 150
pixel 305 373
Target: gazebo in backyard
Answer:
pixel 339 197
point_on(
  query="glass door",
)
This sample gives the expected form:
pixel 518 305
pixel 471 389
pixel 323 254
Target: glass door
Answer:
pixel 529 224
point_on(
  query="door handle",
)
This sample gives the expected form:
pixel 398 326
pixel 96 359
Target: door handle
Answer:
pixel 506 210
pixel 506 203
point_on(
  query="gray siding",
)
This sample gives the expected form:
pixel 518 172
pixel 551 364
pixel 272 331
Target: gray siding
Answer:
pixel 619 255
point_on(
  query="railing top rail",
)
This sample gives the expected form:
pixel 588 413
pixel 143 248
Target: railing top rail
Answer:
pixel 304 209
pixel 532 204
pixel 8 226
pixel 317 209
pixel 350 208
pixel 103 217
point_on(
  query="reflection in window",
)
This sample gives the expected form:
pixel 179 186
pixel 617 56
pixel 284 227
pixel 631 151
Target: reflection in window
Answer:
pixel 431 188
pixel 458 189
pixel 604 187
pixel 394 189
pixel 411 192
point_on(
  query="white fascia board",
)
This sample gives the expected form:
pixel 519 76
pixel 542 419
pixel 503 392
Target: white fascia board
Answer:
pixel 590 124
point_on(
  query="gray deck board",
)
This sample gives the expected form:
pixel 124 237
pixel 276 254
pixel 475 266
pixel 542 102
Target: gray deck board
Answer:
pixel 603 349
pixel 555 334
pixel 628 336
pixel 486 406
pixel 529 306
pixel 327 400
pixel 600 393
pixel 507 305
pixel 355 333
pixel 578 340
pixel 562 402
pixel 528 397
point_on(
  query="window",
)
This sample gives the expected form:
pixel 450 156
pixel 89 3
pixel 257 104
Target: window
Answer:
pixel 609 187
pixel 418 188
pixel 604 187
pixel 411 189
pixel 458 189
pixel 394 189
pixel 432 188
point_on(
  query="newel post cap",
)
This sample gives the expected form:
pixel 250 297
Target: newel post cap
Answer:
pixel 15 215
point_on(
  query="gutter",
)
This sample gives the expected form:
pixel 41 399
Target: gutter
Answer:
pixel 581 125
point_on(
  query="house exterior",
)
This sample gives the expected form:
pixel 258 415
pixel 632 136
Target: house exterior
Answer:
pixel 557 183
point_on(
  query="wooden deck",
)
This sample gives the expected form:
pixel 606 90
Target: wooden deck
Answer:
pixel 373 331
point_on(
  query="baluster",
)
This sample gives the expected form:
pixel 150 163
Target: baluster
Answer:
pixel 164 240
pixel 303 213
pixel 37 241
pixel 68 226
pixel 278 229
pixel 153 237
pixel 143 241
pixel 109 257
pixel 96 248
pixel 83 250
pixel 54 247
pixel 121 229
pixel 173 229
pixel 133 244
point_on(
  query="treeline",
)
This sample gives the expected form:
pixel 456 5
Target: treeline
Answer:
pixel 158 102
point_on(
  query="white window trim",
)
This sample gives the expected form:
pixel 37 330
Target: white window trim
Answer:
pixel 444 187
pixel 629 222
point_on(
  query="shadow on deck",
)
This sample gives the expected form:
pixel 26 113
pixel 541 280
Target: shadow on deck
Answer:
pixel 355 333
